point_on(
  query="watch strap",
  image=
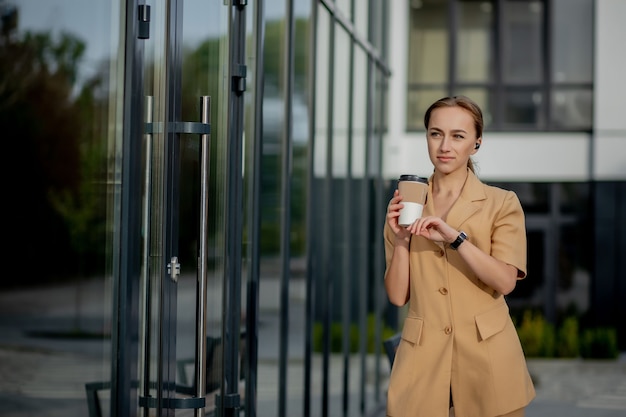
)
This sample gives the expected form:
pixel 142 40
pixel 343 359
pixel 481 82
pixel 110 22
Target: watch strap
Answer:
pixel 455 245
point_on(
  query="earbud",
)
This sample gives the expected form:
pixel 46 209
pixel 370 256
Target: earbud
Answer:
pixel 477 145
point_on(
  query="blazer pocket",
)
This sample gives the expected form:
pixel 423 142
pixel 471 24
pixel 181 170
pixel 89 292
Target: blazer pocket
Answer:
pixel 492 321
pixel 412 329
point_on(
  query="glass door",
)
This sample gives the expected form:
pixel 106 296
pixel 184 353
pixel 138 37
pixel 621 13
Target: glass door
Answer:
pixel 185 108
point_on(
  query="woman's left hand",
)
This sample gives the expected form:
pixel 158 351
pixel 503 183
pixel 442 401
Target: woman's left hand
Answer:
pixel 433 228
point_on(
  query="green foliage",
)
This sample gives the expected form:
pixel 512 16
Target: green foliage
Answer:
pixel 54 124
pixel 274 44
pixel 599 343
pixel 567 339
pixel 540 339
pixel 337 335
pixel 536 335
pixel 83 209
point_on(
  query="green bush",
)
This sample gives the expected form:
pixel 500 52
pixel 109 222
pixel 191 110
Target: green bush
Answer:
pixel 567 339
pixel 540 339
pixel 599 343
pixel 536 335
pixel 337 332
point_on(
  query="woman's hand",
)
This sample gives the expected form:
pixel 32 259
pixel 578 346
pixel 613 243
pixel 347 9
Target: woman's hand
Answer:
pixel 433 228
pixel 393 214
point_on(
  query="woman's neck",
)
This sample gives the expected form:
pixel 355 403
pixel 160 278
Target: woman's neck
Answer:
pixel 449 184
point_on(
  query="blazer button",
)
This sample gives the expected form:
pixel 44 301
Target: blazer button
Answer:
pixel 441 252
pixel 448 330
pixel 443 290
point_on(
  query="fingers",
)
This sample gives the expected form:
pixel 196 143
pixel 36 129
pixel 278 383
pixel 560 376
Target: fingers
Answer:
pixel 433 228
pixel 394 203
pixel 393 212
pixel 415 227
pixel 422 224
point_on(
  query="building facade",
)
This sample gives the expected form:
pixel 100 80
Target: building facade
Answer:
pixel 545 74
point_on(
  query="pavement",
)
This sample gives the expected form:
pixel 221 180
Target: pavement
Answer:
pixel 44 377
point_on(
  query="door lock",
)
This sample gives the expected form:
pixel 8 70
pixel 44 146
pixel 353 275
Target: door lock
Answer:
pixel 173 269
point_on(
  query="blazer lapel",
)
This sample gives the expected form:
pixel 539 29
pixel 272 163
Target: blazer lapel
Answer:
pixel 469 202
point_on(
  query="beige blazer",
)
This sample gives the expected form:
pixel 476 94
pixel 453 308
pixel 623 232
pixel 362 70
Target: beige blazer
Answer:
pixel 458 335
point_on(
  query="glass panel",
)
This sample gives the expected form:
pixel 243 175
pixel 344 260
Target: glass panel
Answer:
pixel 474 41
pixel 322 76
pixel 428 42
pixel 523 109
pixel 341 140
pixel 344 7
pixel 272 382
pixel 572 41
pixel 203 62
pixel 354 287
pixel 417 104
pixel 482 97
pixel 341 106
pixel 378 30
pixel 362 10
pixel 59 97
pixel 572 109
pixel 152 200
pixel 522 41
pixel 377 26
pixel 204 49
pixel 359 114
pixel 273 131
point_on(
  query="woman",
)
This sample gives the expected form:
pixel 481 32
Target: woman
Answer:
pixel 454 265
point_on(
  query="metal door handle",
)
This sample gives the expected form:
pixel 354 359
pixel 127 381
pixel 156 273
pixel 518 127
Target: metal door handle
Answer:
pixel 201 313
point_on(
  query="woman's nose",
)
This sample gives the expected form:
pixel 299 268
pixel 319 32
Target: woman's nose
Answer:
pixel 445 144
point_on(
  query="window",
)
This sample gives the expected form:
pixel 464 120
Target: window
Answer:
pixel 528 63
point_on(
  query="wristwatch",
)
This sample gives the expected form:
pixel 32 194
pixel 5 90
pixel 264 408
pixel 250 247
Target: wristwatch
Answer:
pixel 462 236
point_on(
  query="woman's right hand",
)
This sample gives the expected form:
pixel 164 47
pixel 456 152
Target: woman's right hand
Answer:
pixel 393 214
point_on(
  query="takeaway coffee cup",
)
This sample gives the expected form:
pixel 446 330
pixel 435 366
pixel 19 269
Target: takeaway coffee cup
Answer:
pixel 413 190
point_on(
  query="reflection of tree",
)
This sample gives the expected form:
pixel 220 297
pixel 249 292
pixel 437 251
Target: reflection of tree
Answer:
pixel 48 143
pixel 273 64
pixel 271 212
pixel 202 75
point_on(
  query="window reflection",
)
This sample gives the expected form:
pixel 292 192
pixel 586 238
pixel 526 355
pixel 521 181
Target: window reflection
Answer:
pixel 522 109
pixel 428 40
pixel 500 50
pixel 572 109
pixel 522 47
pixel 474 41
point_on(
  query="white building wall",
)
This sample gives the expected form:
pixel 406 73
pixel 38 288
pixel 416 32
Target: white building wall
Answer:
pixel 609 145
pixel 536 157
